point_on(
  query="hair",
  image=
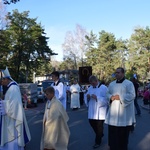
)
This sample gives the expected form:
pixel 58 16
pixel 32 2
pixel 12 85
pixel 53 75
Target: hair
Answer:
pixel 55 73
pixel 133 79
pixel 75 80
pixel 92 78
pixel 50 90
pixel 122 69
pixel 8 78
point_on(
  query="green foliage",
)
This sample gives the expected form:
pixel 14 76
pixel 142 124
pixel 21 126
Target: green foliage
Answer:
pixel 106 55
pixel 109 53
pixel 26 49
pixel 129 74
pixel 139 52
pixel 67 64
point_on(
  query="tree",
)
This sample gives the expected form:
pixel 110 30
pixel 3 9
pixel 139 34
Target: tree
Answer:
pixel 104 54
pixel 74 46
pixel 27 44
pixel 139 52
pixel 3 36
pixel 10 1
pixel 67 64
pixel 2 16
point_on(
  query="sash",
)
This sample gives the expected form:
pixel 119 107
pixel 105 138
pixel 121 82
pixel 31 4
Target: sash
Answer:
pixel 12 83
pixel 9 85
pixel 97 86
pixel 56 83
pixel 26 139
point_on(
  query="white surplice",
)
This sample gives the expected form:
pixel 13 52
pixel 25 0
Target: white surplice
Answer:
pixel 75 102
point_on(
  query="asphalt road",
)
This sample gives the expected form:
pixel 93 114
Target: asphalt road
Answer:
pixel 82 136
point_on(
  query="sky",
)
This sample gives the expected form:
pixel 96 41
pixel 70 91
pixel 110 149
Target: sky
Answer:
pixel 57 17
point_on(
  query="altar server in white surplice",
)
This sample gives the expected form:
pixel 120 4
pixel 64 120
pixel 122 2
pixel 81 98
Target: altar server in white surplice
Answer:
pixel 74 90
pixel 60 91
pixel 14 131
pixel 121 114
pixel 97 104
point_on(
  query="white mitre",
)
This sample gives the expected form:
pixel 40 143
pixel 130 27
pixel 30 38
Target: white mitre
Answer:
pixel 6 74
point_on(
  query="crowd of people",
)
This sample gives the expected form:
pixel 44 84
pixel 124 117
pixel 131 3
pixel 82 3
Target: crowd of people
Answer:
pixel 113 105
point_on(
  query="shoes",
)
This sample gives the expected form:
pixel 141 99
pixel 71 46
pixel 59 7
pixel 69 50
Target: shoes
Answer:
pixel 75 108
pixel 132 129
pixel 96 146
